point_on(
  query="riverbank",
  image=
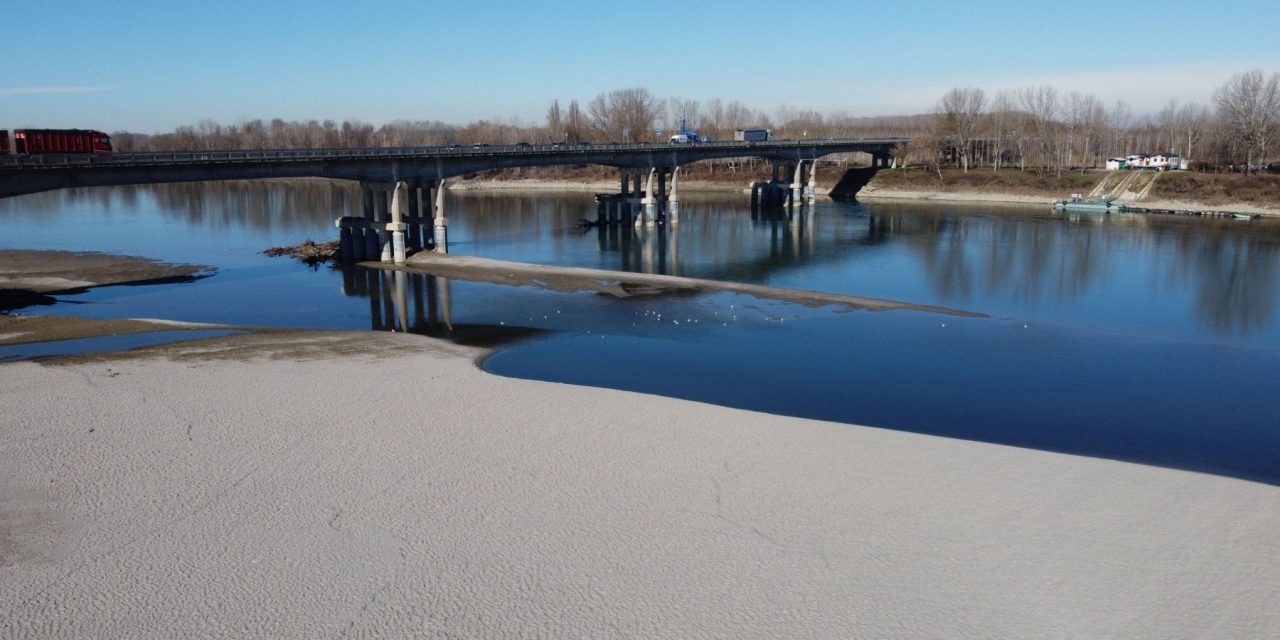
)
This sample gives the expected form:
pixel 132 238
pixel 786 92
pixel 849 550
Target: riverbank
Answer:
pixel 285 483
pixel 1174 191
pixel 32 277
pixel 280 485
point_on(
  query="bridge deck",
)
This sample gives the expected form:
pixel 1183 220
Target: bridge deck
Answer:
pixel 21 174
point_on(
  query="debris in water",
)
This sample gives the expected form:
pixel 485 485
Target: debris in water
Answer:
pixel 309 252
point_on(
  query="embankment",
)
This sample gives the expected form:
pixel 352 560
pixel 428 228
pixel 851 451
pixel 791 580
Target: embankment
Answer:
pixel 1183 191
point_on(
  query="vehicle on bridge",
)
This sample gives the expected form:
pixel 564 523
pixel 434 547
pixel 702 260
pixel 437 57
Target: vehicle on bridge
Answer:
pixel 4 141
pixel 753 135
pixel 686 135
pixel 34 141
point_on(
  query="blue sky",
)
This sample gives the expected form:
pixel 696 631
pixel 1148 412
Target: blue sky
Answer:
pixel 151 65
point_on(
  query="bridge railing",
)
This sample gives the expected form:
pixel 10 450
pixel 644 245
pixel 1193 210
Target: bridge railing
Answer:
pixel 36 161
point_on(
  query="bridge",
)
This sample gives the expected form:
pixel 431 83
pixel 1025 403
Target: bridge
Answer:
pixel 397 182
pixel 23 174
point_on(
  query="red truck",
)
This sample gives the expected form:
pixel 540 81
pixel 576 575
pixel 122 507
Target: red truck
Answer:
pixel 56 141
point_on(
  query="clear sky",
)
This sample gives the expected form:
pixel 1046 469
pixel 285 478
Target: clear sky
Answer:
pixel 151 65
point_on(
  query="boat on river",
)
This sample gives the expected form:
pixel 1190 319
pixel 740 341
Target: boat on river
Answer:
pixel 1078 203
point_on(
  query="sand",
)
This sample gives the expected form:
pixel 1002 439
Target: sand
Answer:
pixel 354 484
pixel 592 186
pixel 31 277
pixel 622 284
pixel 873 194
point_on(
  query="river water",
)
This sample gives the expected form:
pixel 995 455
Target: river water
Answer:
pixel 1152 339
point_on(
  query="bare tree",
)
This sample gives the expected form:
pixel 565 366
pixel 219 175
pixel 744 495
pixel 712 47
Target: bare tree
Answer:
pixel 574 126
pixel 957 119
pixel 1041 107
pixel 632 111
pixel 1085 121
pixel 555 123
pixel 1191 124
pixel 1249 106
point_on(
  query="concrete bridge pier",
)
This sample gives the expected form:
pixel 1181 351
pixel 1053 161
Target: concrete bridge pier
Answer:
pixel 649 213
pixel 796 184
pixel 371 244
pixel 351 238
pixel 637 192
pixel 813 182
pixel 440 225
pixel 673 200
pixel 383 217
pixel 396 227
pixel 624 197
pixel 768 194
pixel 413 235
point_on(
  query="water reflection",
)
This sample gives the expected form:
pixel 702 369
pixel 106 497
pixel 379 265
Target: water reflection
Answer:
pixel 1136 271
pixel 422 304
pixel 1098 323
pixel 1226 270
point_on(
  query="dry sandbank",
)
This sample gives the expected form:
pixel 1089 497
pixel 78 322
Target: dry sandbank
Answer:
pixel 22 329
pixel 29 277
pixel 54 271
pixel 380 485
pixel 877 194
pixel 597 186
pixel 623 284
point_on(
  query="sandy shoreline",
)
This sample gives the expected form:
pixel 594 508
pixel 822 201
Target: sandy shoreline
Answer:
pixel 301 484
pixel 366 484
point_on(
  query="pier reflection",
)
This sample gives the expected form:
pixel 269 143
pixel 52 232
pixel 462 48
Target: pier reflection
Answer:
pixel 1220 275
pixel 406 302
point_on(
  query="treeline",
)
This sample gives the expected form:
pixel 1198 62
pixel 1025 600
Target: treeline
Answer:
pixel 625 115
pixel 1035 127
pixel 1038 127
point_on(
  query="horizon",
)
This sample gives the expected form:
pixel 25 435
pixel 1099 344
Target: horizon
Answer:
pixel 150 67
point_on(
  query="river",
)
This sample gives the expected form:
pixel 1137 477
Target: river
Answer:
pixel 1153 339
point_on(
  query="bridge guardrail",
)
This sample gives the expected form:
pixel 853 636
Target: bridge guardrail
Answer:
pixel 40 161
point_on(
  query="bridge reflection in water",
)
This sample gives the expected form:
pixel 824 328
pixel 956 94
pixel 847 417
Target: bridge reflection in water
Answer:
pixel 417 303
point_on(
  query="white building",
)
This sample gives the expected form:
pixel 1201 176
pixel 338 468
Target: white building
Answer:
pixel 1159 161
pixel 1164 161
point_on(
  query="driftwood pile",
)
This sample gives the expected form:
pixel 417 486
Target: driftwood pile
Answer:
pixel 310 252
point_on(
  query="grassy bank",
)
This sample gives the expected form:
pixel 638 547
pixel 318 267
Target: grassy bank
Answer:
pixel 1045 184
pixel 1173 190
pixel 1218 189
